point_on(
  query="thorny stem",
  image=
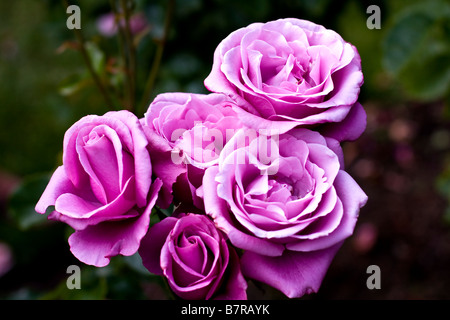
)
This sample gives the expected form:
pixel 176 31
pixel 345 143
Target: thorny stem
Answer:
pixel 158 56
pixel 87 59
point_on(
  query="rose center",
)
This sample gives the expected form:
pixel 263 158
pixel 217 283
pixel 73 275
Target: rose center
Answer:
pixel 300 72
pixel 281 190
pixel 92 138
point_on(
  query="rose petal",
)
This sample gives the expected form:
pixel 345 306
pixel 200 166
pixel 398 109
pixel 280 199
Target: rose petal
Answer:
pixel 100 152
pixel 74 206
pixel 96 244
pixel 350 128
pixel 59 184
pixel 218 210
pixel 142 163
pixel 152 243
pixel 236 284
pixel 294 273
pixel 353 199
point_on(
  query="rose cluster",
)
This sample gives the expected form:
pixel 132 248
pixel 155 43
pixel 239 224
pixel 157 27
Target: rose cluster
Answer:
pixel 252 174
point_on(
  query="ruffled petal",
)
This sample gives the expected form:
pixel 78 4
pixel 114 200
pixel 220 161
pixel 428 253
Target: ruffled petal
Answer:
pixel 294 273
pixel 96 244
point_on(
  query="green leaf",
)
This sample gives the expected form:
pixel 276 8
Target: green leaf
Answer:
pixel 403 38
pixel 74 84
pixel 23 201
pixel 134 262
pixel 93 286
pixel 427 78
pixel 97 57
pixel 416 50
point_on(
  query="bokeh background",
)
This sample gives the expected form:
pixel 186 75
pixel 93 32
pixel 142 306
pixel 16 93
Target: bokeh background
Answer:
pixel 402 160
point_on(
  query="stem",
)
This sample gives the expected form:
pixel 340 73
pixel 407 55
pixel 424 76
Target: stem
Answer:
pixel 158 56
pixel 127 52
pixel 87 60
pixel 131 54
pixel 160 213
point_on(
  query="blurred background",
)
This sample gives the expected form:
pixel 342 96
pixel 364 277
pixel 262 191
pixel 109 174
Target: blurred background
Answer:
pixel 402 161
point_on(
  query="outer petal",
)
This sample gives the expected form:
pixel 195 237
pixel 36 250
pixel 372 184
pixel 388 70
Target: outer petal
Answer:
pixel 80 212
pixel 168 171
pixel 74 206
pixel 347 80
pixel 96 244
pixel 152 243
pixel 71 163
pixel 236 286
pixel 216 80
pixel 294 273
pixel 259 123
pixel 165 165
pixel 58 185
pixel 350 128
pixel 142 164
pixel 352 198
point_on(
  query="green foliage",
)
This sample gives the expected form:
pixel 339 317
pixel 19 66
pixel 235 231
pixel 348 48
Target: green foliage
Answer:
pixel 123 278
pixel 23 201
pixel 443 185
pixel 46 87
pixel 416 49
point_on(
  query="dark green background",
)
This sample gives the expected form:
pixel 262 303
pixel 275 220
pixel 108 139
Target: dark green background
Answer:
pixel 401 161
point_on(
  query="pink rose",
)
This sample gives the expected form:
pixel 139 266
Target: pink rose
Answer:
pixel 289 73
pixel 289 209
pixel 187 132
pixel 194 257
pixel 104 188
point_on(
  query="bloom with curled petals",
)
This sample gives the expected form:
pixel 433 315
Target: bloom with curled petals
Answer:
pixel 104 187
pixel 187 132
pixel 291 72
pixel 195 258
pixel 290 220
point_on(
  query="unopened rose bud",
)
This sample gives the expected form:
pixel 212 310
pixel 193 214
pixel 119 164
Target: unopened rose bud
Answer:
pixel 107 24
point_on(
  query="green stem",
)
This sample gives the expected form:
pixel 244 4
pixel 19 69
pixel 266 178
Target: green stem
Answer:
pixel 158 56
pixel 127 52
pixel 131 54
pixel 102 88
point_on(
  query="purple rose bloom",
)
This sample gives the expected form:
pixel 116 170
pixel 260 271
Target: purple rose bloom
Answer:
pixel 195 258
pixel 290 215
pixel 104 188
pixel 187 132
pixel 289 73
